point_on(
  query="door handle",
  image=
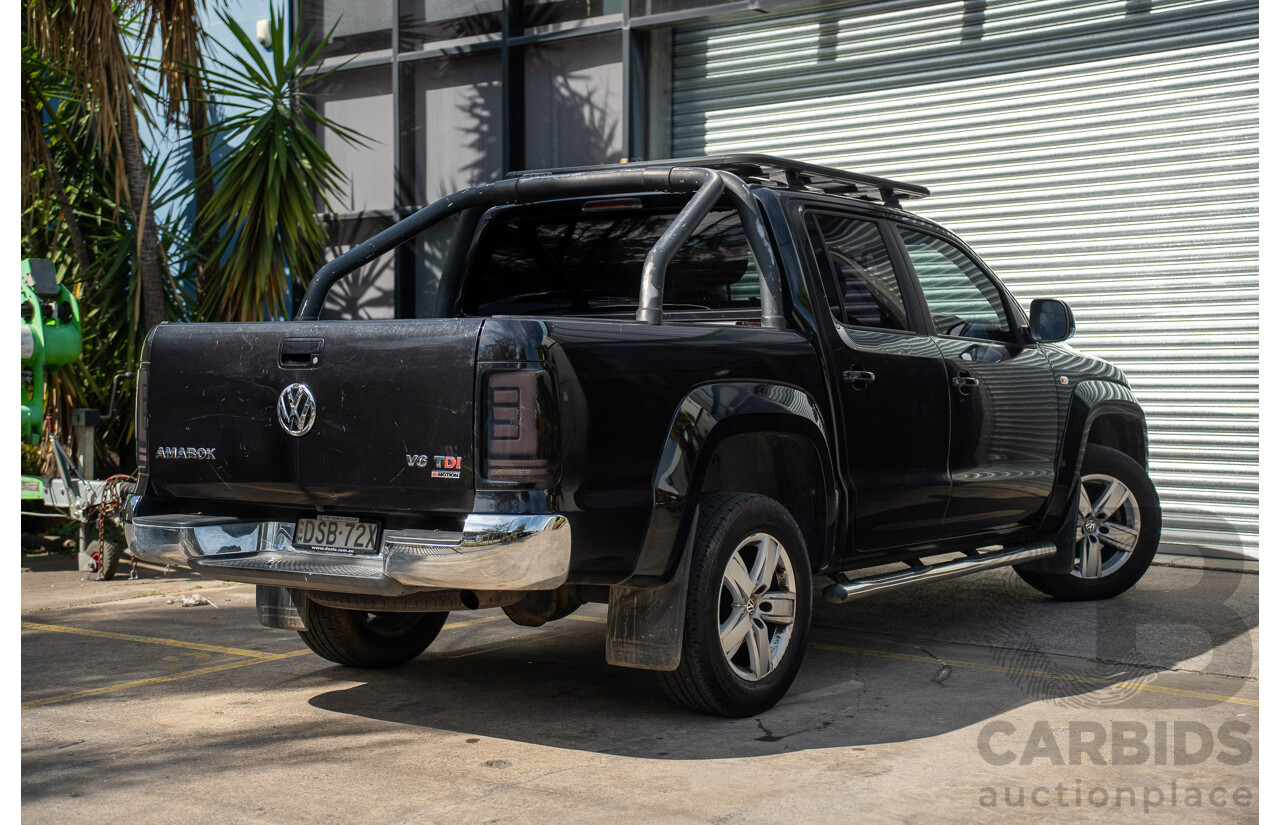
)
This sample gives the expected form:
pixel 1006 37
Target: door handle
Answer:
pixel 296 353
pixel 965 381
pixel 857 377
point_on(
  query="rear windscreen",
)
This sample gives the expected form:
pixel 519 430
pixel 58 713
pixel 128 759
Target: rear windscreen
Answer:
pixel 590 263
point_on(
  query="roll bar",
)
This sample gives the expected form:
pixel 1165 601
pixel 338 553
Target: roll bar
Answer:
pixel 709 186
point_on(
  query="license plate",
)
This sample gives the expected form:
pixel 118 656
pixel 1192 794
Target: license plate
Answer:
pixel 345 534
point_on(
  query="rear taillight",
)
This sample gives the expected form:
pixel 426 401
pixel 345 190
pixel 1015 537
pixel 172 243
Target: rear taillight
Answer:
pixel 140 412
pixel 519 435
pixel 141 418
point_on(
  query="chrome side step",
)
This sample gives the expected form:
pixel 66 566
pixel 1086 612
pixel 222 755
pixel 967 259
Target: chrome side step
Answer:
pixel 842 592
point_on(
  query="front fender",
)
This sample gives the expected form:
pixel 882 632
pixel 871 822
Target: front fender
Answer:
pixel 1089 401
pixel 705 417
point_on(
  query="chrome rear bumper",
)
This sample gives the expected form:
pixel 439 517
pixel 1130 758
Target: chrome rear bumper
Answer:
pixel 492 552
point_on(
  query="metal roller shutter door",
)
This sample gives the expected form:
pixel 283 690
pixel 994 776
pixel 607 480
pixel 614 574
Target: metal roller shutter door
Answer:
pixel 1101 152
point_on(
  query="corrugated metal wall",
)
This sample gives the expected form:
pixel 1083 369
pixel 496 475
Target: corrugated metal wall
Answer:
pixel 1101 152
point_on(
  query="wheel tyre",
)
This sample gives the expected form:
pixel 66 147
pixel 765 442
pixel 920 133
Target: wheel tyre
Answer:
pixel 106 554
pixel 1105 570
pixel 714 676
pixel 357 638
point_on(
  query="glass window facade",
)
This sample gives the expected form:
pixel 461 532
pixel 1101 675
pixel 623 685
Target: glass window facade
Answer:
pixel 369 292
pixel 453 93
pixel 573 102
pixel 437 23
pixel 547 15
pixel 452 124
pixel 360 99
pixel 355 28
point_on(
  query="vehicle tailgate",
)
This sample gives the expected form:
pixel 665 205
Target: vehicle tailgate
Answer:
pixel 393 426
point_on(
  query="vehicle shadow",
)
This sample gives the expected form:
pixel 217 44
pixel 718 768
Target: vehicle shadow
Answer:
pixel 913 665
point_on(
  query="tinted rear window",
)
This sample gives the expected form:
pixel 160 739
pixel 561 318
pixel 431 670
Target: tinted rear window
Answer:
pixel 590 263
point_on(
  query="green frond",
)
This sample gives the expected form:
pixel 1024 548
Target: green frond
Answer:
pixel 268 185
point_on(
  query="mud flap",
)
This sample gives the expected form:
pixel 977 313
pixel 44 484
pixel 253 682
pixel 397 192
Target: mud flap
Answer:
pixel 646 624
pixel 282 607
pixel 1063 560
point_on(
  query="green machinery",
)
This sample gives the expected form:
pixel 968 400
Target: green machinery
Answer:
pixel 51 338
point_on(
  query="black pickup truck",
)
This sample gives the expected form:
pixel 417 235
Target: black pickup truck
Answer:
pixel 683 388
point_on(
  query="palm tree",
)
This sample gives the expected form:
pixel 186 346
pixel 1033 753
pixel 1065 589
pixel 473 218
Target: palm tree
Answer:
pixel 83 170
pixel 181 68
pixel 263 209
pixel 40 176
pixel 83 41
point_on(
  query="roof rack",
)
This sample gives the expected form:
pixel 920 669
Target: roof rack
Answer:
pixel 775 171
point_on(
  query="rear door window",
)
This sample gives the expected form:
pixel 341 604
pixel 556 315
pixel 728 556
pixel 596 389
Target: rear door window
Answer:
pixel 857 273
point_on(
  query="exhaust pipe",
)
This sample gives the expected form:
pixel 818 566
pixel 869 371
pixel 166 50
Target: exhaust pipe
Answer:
pixel 842 592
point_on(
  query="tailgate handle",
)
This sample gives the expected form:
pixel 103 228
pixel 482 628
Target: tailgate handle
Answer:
pixel 296 353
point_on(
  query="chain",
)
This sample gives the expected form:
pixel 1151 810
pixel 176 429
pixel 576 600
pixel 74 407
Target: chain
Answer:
pixel 110 503
pixel 102 544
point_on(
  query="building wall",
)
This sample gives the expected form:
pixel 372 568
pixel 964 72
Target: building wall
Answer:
pixel 449 95
pixel 1100 151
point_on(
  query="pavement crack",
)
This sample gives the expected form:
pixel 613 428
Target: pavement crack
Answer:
pixel 1212 673
pixel 544 775
pixel 770 736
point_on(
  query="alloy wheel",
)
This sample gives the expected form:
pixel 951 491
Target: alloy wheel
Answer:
pixel 1108 526
pixel 757 606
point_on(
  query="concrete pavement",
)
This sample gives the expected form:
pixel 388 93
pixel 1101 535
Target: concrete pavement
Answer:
pixel 967 701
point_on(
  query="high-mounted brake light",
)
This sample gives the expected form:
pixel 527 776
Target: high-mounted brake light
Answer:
pixel 520 442
pixel 610 205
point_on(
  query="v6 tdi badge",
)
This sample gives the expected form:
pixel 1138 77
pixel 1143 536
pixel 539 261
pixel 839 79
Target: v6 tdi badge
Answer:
pixel 446 466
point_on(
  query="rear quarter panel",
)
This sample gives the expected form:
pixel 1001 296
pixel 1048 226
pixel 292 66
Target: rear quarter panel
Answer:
pixel 620 387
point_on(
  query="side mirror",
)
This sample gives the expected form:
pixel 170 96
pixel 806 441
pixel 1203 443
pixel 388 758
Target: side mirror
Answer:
pixel 1051 321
